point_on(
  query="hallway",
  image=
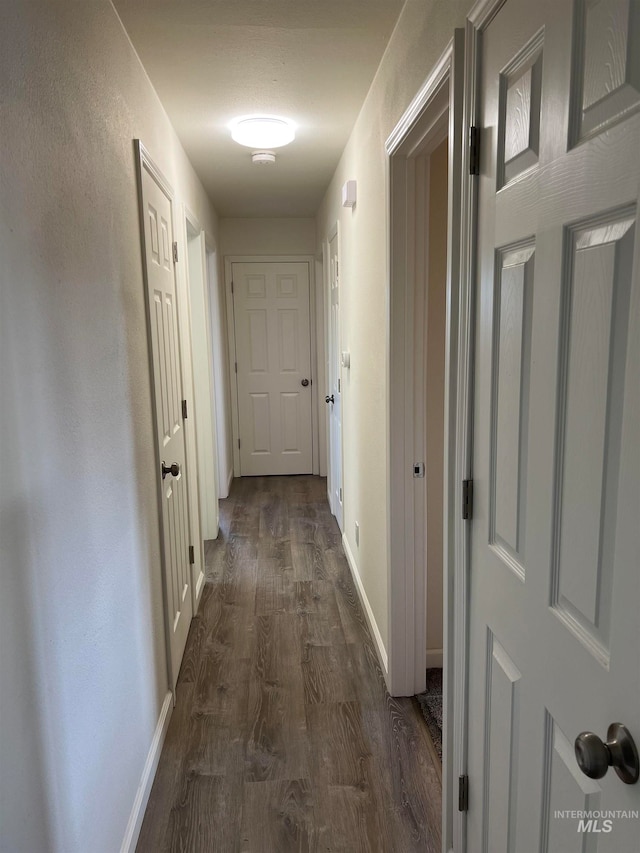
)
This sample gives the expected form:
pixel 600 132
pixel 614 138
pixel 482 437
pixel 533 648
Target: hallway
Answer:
pixel 283 736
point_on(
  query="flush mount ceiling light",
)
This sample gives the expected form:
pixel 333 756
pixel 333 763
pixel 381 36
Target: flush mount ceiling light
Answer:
pixel 263 131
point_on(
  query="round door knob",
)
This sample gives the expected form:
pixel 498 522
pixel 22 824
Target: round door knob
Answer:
pixel 173 469
pixel 304 383
pixel 619 751
pixel 329 398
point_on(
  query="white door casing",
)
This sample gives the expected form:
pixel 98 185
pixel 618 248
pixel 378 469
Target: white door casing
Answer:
pixel 336 497
pixel 203 413
pixel 421 126
pixel 161 292
pixel 271 313
pixel 554 581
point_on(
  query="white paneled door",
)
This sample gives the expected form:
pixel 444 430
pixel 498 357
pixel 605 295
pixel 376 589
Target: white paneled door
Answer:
pixel 163 329
pixel 273 356
pixel 555 536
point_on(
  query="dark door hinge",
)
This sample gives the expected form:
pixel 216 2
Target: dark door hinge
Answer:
pixel 192 555
pixel 236 366
pixel 232 286
pixel 463 793
pixel 184 410
pixel 474 150
pixel 175 253
pixel 238 444
pixel 467 499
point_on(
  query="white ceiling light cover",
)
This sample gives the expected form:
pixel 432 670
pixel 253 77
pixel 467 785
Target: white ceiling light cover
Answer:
pixel 263 131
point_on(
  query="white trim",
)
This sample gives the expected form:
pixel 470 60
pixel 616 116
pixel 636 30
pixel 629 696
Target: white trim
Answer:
pixel 333 234
pixel 368 612
pixel 148 774
pixel 406 647
pixel 416 108
pixel 229 480
pixel 419 131
pixel 434 658
pixel 458 462
pixel 229 260
pixel 191 433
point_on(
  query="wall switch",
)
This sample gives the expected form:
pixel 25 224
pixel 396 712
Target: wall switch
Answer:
pixel 357 533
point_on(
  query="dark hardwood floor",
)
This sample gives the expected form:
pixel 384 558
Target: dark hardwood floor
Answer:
pixel 283 737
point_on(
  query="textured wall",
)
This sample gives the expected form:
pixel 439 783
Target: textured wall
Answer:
pixel 267 236
pixel 81 644
pixel 423 31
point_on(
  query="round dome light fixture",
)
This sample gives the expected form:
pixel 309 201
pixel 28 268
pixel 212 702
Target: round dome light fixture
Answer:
pixel 263 132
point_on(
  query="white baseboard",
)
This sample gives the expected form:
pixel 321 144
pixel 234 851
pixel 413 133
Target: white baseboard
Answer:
pixel 368 612
pixel 229 481
pixel 148 774
pixel 434 658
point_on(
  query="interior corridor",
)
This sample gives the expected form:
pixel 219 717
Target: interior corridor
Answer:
pixel 283 736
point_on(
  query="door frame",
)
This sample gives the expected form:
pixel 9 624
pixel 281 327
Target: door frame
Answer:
pixel 333 233
pixel 220 357
pixel 229 260
pixel 440 99
pixel 192 224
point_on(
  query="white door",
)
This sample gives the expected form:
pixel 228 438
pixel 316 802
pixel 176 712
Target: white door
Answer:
pixel 273 358
pixel 555 544
pixel 165 351
pixel 335 385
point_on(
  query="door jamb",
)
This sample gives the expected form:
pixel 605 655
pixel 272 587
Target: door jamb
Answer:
pixel 406 576
pixel 192 223
pixel 229 260
pixel 334 232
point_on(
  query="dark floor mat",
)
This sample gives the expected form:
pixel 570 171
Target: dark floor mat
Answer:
pixel 431 705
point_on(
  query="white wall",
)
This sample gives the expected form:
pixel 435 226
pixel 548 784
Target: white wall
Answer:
pixel 81 632
pixel 268 236
pixel 423 31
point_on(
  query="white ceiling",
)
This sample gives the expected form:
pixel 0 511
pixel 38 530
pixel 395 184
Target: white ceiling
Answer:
pixel 309 60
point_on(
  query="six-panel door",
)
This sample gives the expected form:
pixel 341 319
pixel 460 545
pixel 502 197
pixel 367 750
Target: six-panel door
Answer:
pixel 273 355
pixel 555 566
pixel 163 328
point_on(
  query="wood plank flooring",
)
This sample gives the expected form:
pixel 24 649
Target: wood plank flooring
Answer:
pixel 283 737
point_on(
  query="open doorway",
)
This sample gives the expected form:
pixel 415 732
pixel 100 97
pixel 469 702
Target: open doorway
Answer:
pixel 433 178
pixel 426 414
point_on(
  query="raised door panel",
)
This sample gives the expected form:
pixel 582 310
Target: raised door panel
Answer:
pixel 502 718
pixel 595 327
pixel 606 65
pixel 519 122
pixel 567 792
pixel 511 369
